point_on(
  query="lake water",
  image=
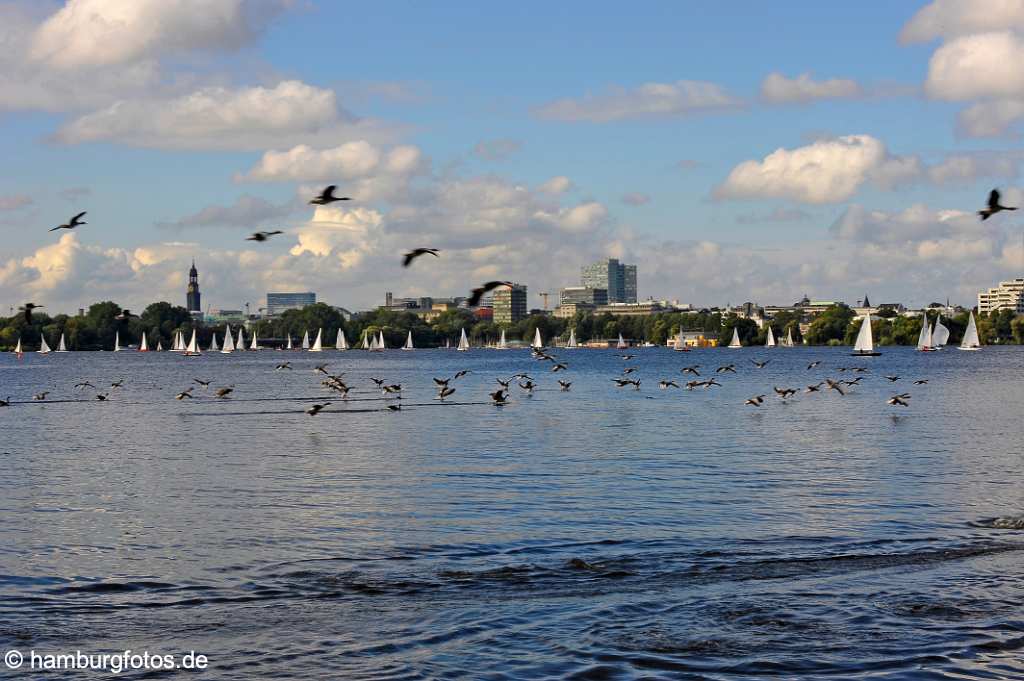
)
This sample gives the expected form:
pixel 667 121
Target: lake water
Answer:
pixel 827 536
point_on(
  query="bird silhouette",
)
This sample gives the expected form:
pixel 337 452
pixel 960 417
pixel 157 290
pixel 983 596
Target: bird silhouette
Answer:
pixel 327 196
pixel 760 365
pixel 755 401
pixel 41 396
pixel 565 385
pixel 262 236
pixel 125 315
pixel 183 394
pixel 445 392
pixel 993 206
pixel 27 309
pixel 316 408
pixel 499 397
pixel 72 223
pixel 417 252
pixel 223 393
pixel 667 384
pixel 478 292
pixel 205 384
pixel 5 403
pixel 898 400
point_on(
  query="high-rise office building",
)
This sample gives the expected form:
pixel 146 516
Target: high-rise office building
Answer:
pixel 617 279
pixel 574 295
pixel 1009 295
pixel 509 304
pixel 192 299
pixel 280 302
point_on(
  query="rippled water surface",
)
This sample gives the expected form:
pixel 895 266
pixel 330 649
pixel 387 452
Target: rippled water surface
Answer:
pixel 596 533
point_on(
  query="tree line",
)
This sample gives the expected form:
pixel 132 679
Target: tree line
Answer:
pixel 96 329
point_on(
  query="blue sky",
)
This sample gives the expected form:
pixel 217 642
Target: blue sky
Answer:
pixel 181 133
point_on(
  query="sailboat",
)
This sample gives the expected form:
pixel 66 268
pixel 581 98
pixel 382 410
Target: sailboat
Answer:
pixel 447 344
pixel 144 345
pixel 502 343
pixel 193 346
pixel 970 341
pixel 289 345
pixel 735 342
pixel 366 343
pixel 788 343
pixel 940 334
pixel 254 345
pixel 341 343
pixel 44 349
pixel 178 345
pixel 463 341
pixel 571 345
pixel 240 341
pixel 380 341
pixel 213 343
pixel 408 342
pixel 229 342
pixel 305 339
pixel 924 341
pixel 770 340
pixel 60 346
pixel 621 345
pixel 538 342
pixel 117 341
pixel 17 349
pixel 318 344
pixel 159 346
pixel 865 344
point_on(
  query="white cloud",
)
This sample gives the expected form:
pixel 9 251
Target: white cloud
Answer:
pixel 684 97
pixel 826 171
pixel 349 161
pixel 983 65
pixel 966 168
pixel 557 185
pixel 954 18
pixel 101 33
pixel 990 118
pixel 778 89
pixel 246 211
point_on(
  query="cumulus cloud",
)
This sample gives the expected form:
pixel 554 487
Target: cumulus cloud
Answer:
pixel 635 199
pixel 778 89
pixel 954 18
pixel 990 118
pixel 496 150
pixel 100 33
pixel 557 185
pixel 965 168
pixel 826 171
pixel 246 211
pixel 976 66
pixel 349 161
pixel 681 98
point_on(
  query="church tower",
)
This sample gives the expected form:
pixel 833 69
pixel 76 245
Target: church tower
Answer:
pixel 192 297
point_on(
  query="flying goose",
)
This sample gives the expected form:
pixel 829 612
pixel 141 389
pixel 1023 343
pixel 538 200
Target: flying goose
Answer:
pixel 993 206
pixel 327 196
pixel 75 222
pixel 417 252
pixel 262 236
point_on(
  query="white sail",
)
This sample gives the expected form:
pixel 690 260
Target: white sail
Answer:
pixel 17 348
pixel 447 344
pixel 159 346
pixel 43 347
pixel 240 341
pixel 289 345
pixel 770 341
pixel 179 343
pixel 538 342
pixel 924 341
pixel 735 342
pixel 117 341
pixel 408 342
pixel 865 343
pixel 502 343
pixel 144 345
pixel 572 339
pixel 61 347
pixel 463 341
pixel 365 344
pixel 621 345
pixel 971 340
pixel 940 334
pixel 193 345
pixel 213 343
pixel 788 343
pixel 229 342
pixel 341 343
pixel 305 339
pixel 254 345
pixel 318 344
pixel 380 341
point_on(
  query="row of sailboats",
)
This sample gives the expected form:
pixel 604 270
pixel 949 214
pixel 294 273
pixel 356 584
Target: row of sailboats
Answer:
pixel 933 336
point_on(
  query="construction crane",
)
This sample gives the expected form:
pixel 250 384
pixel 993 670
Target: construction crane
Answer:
pixel 544 295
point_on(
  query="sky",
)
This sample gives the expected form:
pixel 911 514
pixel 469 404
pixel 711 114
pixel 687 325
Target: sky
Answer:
pixel 735 152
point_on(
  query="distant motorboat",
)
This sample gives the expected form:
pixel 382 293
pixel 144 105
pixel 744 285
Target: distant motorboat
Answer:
pixel 865 344
pixel 970 340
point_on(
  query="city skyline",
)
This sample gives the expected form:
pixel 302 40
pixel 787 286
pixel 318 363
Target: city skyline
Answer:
pixel 695 171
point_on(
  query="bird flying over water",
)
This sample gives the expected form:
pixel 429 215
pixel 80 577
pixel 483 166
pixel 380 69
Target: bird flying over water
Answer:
pixel 755 401
pixel 72 223
pixel 760 365
pixel 321 369
pixel 118 383
pixel 125 314
pixel 444 392
pixel 27 309
pixel 184 393
pixel 993 206
pixel 898 400
pixel 5 403
pixel 667 384
pixel 102 397
pixel 262 236
pixel 417 252
pixel 478 293
pixel 41 396
pixel 727 367
pixel 565 385
pixel 921 381
pixel 499 397
pixel 84 384
pixel 223 392
pixel 205 384
pixel 283 365
pixel 892 379
pixel 316 408
pixel 327 196
pixel 690 370
pixel 813 364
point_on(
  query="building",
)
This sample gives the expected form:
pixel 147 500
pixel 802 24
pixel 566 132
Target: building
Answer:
pixel 1009 295
pixel 630 309
pixel 569 310
pixel 192 299
pixel 617 279
pixel 582 294
pixel 281 302
pixel 509 304
pixel 224 316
